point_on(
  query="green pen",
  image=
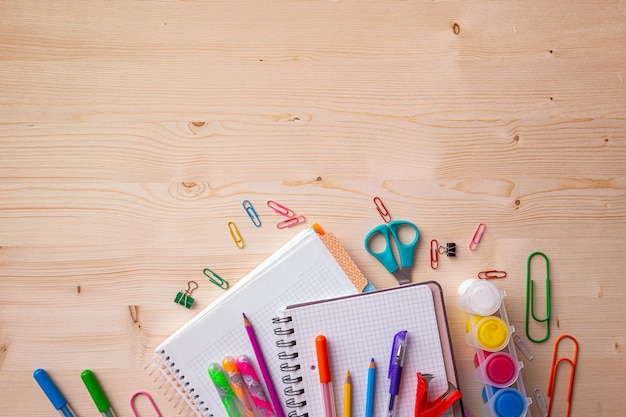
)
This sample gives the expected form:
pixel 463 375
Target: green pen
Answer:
pixel 226 393
pixel 98 395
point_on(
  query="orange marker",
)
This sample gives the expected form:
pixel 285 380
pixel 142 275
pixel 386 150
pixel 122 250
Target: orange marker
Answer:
pixel 323 367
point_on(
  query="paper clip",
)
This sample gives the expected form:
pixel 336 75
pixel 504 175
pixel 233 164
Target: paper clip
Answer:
pixel 541 402
pixel 434 254
pixel 530 299
pixel 382 210
pixel 555 365
pixel 234 233
pixel 216 279
pixel 478 234
pixel 491 274
pixel 290 222
pixel 184 297
pixel 247 206
pixel 523 347
pixel 152 403
pixel 280 209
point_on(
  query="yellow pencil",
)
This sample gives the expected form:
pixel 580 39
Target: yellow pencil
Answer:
pixel 347 396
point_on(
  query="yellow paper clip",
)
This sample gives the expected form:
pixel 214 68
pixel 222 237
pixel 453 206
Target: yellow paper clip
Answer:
pixel 555 364
pixel 247 206
pixel 478 234
pixel 234 233
pixel 216 279
pixel 152 403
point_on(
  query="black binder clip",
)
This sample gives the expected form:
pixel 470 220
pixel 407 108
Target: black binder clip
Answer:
pixel 184 297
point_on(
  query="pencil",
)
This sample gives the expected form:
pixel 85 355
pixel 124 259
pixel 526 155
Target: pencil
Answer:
pixel 264 371
pixel 347 396
pixel 369 399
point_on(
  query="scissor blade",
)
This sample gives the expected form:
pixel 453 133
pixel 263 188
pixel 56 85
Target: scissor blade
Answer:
pixel 402 277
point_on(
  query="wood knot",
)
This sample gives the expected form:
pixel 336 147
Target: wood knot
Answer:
pixel 198 124
pixel 318 179
pixel 189 184
pixel 456 28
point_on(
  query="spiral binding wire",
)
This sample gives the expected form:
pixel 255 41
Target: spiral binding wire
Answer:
pixel 291 380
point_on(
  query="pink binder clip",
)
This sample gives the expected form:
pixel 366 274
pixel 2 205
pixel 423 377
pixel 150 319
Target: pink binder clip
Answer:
pixel 477 235
pixel 152 403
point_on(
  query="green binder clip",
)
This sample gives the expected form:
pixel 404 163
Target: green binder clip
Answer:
pixel 184 297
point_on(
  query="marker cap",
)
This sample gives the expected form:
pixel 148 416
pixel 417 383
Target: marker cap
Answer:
pixel 49 388
pixel 95 390
pixel 322 359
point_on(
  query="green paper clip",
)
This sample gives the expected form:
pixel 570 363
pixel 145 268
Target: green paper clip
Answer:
pixel 216 279
pixel 530 299
pixel 184 297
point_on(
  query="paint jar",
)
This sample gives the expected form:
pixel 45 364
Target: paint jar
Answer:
pixel 480 297
pixel 489 333
pixel 506 402
pixel 498 369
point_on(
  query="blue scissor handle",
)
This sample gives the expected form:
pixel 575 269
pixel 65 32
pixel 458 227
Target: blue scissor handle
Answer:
pixel 386 255
pixel 406 250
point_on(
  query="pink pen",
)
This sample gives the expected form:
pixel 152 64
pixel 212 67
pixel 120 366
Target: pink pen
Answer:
pixel 255 387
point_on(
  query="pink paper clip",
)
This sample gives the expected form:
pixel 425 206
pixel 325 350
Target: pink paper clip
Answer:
pixel 434 254
pixel 154 406
pixel 491 274
pixel 290 222
pixel 382 210
pixel 280 209
pixel 478 234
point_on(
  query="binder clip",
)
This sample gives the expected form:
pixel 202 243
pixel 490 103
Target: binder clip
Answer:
pixel 184 297
pixel 436 250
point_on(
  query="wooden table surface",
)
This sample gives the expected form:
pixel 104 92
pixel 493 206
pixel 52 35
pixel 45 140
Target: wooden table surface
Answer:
pixel 131 132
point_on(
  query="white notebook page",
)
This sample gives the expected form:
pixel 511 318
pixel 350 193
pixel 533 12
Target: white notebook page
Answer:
pixel 362 327
pixel 305 272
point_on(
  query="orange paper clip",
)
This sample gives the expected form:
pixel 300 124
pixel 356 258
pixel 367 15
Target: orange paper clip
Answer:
pixel 382 210
pixel 478 234
pixel 290 222
pixel 280 209
pixel 555 364
pixel 152 403
pixel 234 233
pixel 434 254
pixel 491 274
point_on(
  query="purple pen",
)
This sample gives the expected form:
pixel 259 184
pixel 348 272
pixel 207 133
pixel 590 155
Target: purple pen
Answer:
pixel 395 370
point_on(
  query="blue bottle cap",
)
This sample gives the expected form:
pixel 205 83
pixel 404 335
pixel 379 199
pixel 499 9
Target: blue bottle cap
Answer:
pixel 493 390
pixel 509 402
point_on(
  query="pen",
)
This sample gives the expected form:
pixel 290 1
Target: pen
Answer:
pixel 255 387
pixel 52 392
pixel 323 367
pixel 395 370
pixel 371 379
pixel 238 386
pixel 264 371
pixel 97 394
pixel 347 396
pixel 229 400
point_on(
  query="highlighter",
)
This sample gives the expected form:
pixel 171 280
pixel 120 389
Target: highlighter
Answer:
pixel 226 393
pixel 97 394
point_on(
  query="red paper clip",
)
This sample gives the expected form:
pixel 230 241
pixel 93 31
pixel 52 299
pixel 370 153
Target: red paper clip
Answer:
pixel 290 222
pixel 477 235
pixel 434 254
pixel 491 274
pixel 382 210
pixel 280 209
pixel 152 403
pixel 555 364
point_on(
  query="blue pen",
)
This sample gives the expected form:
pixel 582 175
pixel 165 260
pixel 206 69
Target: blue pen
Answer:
pixel 53 393
pixel 395 370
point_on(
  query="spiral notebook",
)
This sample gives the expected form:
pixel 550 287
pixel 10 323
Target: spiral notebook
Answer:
pixel 359 328
pixel 311 266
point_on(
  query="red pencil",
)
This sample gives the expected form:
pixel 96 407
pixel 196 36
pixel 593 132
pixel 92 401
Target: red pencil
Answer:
pixel 264 371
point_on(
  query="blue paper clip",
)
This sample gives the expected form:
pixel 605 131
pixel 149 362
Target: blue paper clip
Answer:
pixel 216 279
pixel 530 299
pixel 247 206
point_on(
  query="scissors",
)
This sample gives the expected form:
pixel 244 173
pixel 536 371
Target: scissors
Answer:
pixel 423 408
pixel 386 257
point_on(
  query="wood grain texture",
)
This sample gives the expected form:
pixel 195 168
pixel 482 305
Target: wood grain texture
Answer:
pixel 130 132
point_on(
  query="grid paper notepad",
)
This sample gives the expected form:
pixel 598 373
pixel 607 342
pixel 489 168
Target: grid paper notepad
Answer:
pixel 361 327
pixel 302 270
